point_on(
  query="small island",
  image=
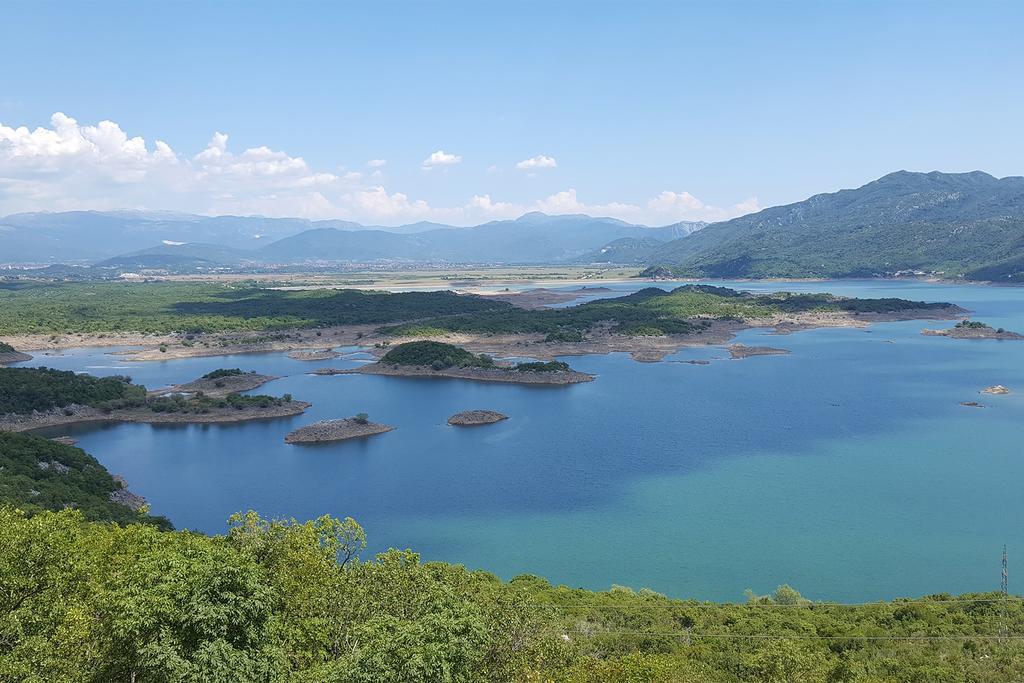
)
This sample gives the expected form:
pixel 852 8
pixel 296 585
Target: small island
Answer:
pixel 337 430
pixel 314 354
pixel 469 418
pixel 8 354
pixel 997 389
pixel 437 359
pixel 220 382
pixel 973 329
pixel 737 351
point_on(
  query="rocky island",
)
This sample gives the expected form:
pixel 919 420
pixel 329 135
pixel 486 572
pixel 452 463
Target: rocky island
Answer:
pixel 997 390
pixel 220 383
pixel 337 430
pixel 737 351
pixel 313 354
pixel 437 359
pixel 476 417
pixel 973 329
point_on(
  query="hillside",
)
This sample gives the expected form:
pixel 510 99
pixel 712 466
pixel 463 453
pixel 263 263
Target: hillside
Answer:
pixel 37 474
pixel 950 224
pixel 288 601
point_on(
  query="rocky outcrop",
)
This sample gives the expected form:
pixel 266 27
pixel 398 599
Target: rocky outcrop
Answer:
pixel 496 374
pixel 123 496
pixel 995 389
pixel 973 330
pixel 476 417
pixel 336 430
pixel 315 354
pixel 219 386
pixel 741 351
pixel 12 356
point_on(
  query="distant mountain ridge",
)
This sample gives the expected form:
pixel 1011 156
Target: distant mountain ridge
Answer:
pixel 967 225
pixel 119 239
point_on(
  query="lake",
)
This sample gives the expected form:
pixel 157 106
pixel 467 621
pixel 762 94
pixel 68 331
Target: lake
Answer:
pixel 847 469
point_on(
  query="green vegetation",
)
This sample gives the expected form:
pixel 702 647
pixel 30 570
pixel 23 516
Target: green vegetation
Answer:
pixel 38 474
pixel 956 224
pixel 539 366
pixel 285 601
pixel 972 325
pixel 200 404
pixel 223 372
pixel 197 308
pixel 23 390
pixel 436 355
pixel 654 312
pixel 6 348
pixel 165 307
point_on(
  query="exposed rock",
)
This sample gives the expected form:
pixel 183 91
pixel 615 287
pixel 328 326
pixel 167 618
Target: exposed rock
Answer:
pixel 7 357
pixel 58 467
pixel 967 329
pixel 476 417
pixel 996 389
pixel 125 497
pixel 495 374
pixel 336 430
pixel 971 404
pixel 315 354
pixel 66 440
pixel 741 351
pixel 219 386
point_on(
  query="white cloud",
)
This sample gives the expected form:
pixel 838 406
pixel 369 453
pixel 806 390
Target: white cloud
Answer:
pixel 537 162
pixel 440 158
pixel 377 163
pixel 72 166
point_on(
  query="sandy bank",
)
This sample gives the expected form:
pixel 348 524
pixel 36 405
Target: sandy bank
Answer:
pixel 476 417
pixel 85 414
pixel 336 430
pixel 558 378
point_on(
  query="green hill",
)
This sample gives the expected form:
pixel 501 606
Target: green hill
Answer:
pixel 38 474
pixel 284 601
pixel 950 224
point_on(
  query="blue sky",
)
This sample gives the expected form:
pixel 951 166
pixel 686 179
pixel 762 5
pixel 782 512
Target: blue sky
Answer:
pixel 650 111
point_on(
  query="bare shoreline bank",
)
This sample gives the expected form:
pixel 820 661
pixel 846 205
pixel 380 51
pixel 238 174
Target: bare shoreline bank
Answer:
pixel 88 415
pixel 498 374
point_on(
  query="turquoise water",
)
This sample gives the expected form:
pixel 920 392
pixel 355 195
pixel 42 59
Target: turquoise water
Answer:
pixel 847 468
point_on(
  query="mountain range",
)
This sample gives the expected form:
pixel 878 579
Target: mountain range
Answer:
pixel 121 239
pixel 960 225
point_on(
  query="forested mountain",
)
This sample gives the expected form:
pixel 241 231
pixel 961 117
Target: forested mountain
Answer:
pixel 950 224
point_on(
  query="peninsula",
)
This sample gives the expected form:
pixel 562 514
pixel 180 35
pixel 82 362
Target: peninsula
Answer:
pixel 34 398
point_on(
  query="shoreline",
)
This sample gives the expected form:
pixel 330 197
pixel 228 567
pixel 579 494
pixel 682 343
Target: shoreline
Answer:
pixel 507 376
pixel 88 415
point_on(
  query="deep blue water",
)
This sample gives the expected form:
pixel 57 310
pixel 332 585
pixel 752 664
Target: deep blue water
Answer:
pixel 847 468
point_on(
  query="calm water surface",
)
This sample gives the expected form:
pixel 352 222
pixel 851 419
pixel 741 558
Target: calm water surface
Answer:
pixel 847 468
